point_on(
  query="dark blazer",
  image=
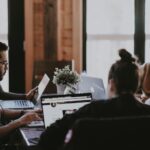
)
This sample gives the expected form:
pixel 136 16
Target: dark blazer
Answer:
pixel 9 96
pixel 124 105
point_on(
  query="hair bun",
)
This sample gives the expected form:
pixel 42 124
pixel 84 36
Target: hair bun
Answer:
pixel 126 56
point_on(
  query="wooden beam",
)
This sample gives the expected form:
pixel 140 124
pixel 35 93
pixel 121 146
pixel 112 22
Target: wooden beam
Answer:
pixel 77 34
pixel 28 44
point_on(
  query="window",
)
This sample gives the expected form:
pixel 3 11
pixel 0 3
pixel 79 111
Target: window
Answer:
pixel 4 33
pixel 110 26
pixel 147 31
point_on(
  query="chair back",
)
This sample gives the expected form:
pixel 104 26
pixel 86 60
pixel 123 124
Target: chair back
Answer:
pixel 110 133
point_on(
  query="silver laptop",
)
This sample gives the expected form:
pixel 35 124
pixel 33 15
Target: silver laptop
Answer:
pixel 26 104
pixel 31 135
pixel 93 85
pixel 56 106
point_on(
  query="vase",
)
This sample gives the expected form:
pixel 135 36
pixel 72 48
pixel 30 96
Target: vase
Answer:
pixel 71 89
pixel 60 88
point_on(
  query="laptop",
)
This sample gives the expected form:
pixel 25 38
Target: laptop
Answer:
pixel 26 104
pixel 93 85
pixel 31 136
pixel 56 106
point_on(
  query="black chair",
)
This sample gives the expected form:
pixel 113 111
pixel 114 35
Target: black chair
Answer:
pixel 46 66
pixel 123 133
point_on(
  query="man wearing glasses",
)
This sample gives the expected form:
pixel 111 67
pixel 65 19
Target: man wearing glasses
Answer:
pixel 3 68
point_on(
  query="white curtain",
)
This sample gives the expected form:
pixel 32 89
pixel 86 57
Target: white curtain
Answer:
pixel 110 26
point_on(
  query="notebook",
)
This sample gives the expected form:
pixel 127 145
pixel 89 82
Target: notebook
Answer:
pixel 56 106
pixel 93 85
pixel 26 104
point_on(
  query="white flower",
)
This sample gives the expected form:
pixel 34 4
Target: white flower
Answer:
pixel 65 76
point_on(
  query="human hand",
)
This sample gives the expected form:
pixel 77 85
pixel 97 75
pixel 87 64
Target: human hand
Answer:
pixel 32 93
pixel 141 97
pixel 36 110
pixel 28 118
pixel 144 99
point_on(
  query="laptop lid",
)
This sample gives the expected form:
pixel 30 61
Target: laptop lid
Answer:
pixel 93 85
pixel 25 104
pixel 41 87
pixel 56 106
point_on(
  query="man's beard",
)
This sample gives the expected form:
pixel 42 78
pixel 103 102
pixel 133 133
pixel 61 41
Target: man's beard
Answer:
pixel 2 76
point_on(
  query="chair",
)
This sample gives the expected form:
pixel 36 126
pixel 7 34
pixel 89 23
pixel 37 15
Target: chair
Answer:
pixel 46 66
pixel 110 133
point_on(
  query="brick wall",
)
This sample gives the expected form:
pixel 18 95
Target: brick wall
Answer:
pixel 66 29
pixel 69 32
pixel 38 29
pixel 65 48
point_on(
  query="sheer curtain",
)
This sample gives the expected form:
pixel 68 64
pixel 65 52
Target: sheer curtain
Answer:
pixel 110 26
pixel 4 34
pixel 147 30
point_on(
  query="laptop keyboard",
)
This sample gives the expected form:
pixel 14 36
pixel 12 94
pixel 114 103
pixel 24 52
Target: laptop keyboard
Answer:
pixel 22 103
pixel 36 124
pixel 17 104
pixel 32 135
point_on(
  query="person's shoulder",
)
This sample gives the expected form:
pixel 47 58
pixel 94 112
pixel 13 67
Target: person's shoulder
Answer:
pixel 102 103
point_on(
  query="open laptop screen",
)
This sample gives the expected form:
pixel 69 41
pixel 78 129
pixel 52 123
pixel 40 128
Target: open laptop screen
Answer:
pixel 93 85
pixel 42 85
pixel 56 106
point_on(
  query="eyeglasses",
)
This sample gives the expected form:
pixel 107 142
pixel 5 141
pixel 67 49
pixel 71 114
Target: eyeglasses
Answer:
pixel 4 63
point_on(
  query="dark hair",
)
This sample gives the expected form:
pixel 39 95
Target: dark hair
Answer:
pixel 3 47
pixel 125 73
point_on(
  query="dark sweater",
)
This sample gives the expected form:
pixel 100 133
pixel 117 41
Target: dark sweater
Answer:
pixel 124 105
pixel 10 96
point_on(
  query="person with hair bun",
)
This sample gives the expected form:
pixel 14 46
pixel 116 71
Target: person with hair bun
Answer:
pixel 123 82
pixel 123 75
